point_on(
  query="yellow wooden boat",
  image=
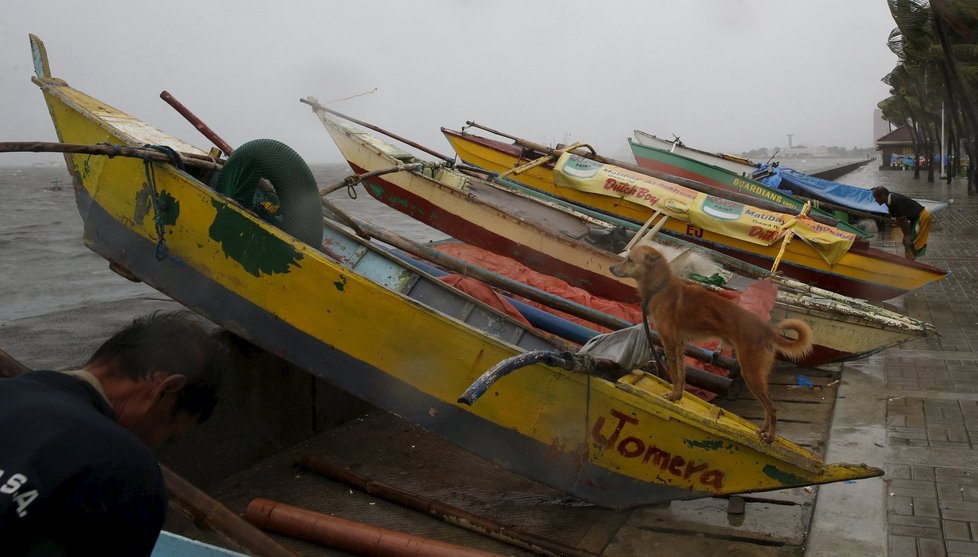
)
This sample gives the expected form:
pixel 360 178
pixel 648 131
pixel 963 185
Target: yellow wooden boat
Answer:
pixel 862 272
pixel 380 329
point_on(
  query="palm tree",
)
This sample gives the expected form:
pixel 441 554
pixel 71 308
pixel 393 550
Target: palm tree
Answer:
pixel 954 25
pixel 938 66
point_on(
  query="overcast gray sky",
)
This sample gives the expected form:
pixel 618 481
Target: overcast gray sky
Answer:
pixel 725 75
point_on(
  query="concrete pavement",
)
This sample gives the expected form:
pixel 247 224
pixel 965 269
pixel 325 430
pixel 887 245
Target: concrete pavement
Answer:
pixel 913 411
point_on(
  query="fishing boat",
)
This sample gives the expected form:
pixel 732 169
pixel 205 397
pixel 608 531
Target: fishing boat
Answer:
pixel 549 236
pixel 854 270
pixel 672 157
pixel 738 165
pixel 344 310
pixel 723 171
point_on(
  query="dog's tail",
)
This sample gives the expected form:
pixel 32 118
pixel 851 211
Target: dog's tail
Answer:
pixel 794 348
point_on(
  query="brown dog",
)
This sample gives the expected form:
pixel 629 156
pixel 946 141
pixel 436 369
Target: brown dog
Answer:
pixel 687 313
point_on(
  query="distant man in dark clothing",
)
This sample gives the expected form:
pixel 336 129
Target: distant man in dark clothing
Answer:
pixel 912 218
pixel 77 474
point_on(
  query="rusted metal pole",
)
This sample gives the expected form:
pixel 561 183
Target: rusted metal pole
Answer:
pixel 188 159
pixel 197 123
pixel 211 514
pixel 316 106
pixel 210 134
pixel 354 537
pixel 443 511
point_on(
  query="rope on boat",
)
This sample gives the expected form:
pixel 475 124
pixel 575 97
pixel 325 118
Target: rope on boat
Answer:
pixel 352 180
pixel 564 360
pixel 661 367
pixel 158 206
pixel 545 159
pixel 108 150
pixel 787 239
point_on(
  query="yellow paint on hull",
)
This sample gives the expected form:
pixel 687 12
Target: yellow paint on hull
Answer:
pixel 853 265
pixel 689 446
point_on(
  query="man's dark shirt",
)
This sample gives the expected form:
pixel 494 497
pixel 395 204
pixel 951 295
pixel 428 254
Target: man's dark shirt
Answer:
pixel 72 480
pixel 902 206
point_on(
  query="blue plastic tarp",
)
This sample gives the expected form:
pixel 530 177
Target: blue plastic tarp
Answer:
pixel 852 197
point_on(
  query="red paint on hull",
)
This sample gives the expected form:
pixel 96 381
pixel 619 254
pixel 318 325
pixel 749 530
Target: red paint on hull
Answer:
pixel 680 172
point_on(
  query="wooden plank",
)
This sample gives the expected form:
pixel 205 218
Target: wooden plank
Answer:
pixel 787 410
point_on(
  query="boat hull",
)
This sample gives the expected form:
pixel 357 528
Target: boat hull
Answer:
pixel 613 428
pixel 240 313
pixel 660 159
pixel 729 164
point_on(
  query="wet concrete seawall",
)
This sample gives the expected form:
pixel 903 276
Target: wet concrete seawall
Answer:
pixel 913 410
pixel 837 171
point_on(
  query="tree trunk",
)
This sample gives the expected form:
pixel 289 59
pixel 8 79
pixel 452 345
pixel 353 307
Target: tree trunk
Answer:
pixel 942 14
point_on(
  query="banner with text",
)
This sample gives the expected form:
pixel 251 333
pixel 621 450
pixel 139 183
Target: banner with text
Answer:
pixel 715 214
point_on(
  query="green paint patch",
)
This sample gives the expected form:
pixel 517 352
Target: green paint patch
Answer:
pixel 706 445
pixel 375 190
pixel 169 208
pixel 340 284
pixel 244 241
pixel 381 193
pixel 399 202
pixel 783 477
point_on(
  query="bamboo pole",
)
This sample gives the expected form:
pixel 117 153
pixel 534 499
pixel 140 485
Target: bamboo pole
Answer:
pixel 355 179
pixel 211 514
pixel 348 535
pixel 641 231
pixel 545 159
pixel 188 159
pixel 443 511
